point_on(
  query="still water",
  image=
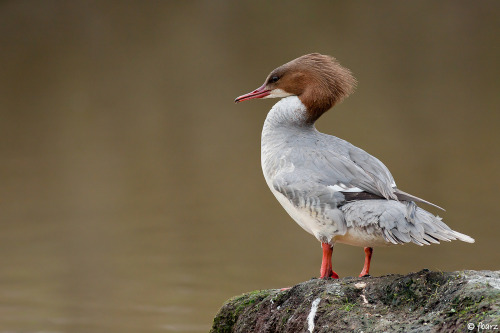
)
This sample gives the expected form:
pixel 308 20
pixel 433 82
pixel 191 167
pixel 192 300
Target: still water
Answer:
pixel 131 195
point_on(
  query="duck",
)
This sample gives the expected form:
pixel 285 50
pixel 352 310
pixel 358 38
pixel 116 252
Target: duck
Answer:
pixel 334 190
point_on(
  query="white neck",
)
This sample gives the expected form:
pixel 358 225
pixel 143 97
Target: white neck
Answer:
pixel 288 112
pixel 285 124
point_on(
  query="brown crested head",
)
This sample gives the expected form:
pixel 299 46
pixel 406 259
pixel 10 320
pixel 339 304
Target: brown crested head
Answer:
pixel 318 80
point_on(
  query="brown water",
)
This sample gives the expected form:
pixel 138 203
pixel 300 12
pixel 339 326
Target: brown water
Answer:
pixel 131 195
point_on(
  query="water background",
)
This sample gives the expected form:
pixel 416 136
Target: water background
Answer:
pixel 131 193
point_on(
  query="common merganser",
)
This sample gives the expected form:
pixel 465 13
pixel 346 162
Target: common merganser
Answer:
pixel 331 188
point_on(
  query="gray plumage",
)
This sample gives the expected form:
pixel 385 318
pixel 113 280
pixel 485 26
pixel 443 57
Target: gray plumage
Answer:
pixel 312 174
pixel 389 219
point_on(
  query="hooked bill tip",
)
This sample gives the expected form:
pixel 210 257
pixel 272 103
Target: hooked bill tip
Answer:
pixel 258 93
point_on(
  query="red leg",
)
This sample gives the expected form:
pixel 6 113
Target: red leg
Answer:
pixel 368 258
pixel 326 264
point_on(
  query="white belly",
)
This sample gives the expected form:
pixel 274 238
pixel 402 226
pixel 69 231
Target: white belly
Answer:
pixel 353 236
pixel 359 237
pixel 301 217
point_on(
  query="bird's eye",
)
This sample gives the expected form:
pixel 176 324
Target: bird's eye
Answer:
pixel 273 79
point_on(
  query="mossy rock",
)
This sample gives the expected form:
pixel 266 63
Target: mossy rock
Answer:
pixel 418 302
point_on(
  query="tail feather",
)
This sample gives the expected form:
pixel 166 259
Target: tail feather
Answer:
pixel 463 237
pixel 399 223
